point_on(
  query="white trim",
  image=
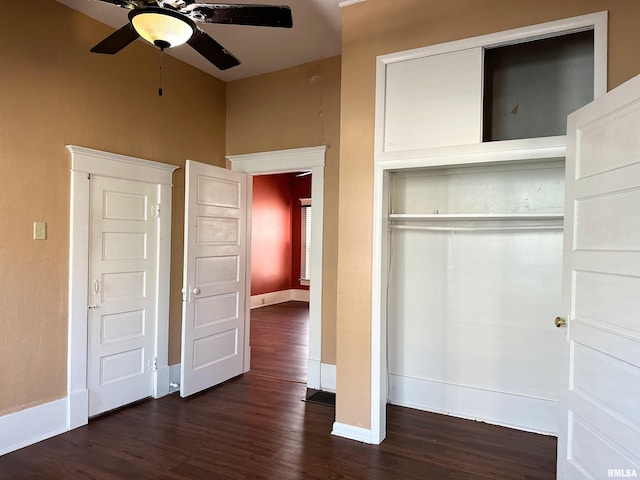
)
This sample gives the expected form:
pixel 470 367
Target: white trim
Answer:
pixel 163 292
pixel 281 296
pixel 279 161
pixel 246 364
pixel 299 295
pixel 597 21
pixel 161 381
pixel 352 433
pixel 513 150
pixel 348 3
pixel 295 160
pixel 107 164
pixel 85 162
pixel 530 414
pixel 505 150
pixel 379 280
pixel 78 408
pixel 32 425
pixel 314 369
pixel 271 298
pixel 328 377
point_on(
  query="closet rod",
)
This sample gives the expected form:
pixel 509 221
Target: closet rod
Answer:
pixel 492 228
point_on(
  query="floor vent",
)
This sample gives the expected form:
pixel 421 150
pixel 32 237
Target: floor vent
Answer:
pixel 323 398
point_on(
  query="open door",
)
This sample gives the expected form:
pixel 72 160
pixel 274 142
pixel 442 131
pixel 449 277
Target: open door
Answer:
pixel 599 434
pixel 214 286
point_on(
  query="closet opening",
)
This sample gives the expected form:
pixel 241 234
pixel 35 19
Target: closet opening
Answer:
pixel 474 279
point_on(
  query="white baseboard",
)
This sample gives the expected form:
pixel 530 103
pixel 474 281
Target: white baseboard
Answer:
pixel 321 376
pixel 328 377
pixel 498 408
pixel 34 424
pixel 273 298
pixel 352 433
pixel 299 295
pixel 314 375
pixel 78 408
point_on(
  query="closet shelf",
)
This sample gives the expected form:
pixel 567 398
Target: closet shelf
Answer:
pixel 475 216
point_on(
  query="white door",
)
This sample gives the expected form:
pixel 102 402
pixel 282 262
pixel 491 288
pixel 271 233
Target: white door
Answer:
pixel 214 287
pixel 599 433
pixel 122 293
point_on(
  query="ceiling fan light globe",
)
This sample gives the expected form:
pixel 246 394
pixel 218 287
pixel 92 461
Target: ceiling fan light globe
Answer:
pixel 159 26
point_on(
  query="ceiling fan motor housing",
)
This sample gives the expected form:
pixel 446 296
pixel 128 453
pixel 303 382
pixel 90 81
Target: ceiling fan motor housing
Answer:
pixel 162 27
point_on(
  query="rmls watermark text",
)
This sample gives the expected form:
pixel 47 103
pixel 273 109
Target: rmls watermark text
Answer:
pixel 622 473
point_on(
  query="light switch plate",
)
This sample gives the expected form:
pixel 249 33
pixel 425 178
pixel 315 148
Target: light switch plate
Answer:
pixel 39 230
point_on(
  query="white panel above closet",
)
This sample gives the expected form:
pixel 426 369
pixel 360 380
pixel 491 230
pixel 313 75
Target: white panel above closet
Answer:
pixel 434 101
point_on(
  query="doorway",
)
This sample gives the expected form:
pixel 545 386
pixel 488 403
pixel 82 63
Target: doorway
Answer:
pixel 288 161
pixel 280 246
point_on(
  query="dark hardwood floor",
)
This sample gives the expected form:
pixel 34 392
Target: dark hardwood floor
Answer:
pixel 280 340
pixel 257 427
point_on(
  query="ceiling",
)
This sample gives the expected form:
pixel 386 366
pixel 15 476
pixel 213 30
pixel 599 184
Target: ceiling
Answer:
pixel 316 33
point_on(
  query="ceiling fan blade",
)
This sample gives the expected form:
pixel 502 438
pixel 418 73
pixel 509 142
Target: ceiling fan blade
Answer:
pixel 212 50
pixel 240 14
pixel 117 40
pixel 127 3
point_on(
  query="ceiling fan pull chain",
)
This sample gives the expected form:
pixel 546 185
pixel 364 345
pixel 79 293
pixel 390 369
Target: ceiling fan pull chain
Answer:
pixel 161 59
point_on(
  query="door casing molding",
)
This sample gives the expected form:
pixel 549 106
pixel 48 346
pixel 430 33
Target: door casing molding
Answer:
pixel 84 163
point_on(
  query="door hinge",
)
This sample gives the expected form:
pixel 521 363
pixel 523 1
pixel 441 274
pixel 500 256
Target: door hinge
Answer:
pixel 155 210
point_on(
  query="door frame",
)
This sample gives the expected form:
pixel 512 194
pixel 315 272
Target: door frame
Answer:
pixel 289 161
pixel 84 163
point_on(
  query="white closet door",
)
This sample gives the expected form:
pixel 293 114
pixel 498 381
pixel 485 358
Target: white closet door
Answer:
pixel 122 292
pixel 600 411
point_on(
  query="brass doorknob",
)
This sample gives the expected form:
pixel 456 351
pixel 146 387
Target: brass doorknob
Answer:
pixel 559 322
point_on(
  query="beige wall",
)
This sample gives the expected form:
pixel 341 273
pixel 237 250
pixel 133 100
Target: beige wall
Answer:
pixel 378 27
pixel 293 108
pixel 54 92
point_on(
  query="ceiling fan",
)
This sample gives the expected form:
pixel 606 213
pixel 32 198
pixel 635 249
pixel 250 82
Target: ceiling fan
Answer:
pixel 169 23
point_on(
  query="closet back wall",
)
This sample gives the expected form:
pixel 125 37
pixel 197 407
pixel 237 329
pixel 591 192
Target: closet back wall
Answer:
pixel 476 263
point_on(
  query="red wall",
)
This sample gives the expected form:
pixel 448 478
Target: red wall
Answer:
pixel 300 188
pixel 275 242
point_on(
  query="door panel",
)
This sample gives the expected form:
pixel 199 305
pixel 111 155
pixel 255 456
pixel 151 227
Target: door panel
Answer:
pixel 600 413
pixel 122 271
pixel 214 288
